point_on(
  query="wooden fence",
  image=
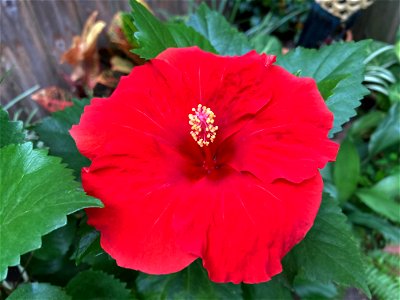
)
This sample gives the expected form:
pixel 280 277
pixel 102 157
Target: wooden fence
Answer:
pixel 380 21
pixel 34 34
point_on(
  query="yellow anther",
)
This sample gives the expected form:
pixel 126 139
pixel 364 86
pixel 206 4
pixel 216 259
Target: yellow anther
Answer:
pixel 202 128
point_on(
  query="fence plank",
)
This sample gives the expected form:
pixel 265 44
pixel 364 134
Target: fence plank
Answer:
pixel 379 21
pixel 35 33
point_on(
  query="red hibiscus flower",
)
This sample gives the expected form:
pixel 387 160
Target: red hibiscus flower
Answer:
pixel 197 155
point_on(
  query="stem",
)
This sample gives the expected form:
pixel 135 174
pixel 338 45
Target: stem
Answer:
pixel 21 97
pixel 235 8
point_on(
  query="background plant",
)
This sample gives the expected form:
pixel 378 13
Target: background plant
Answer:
pixel 353 241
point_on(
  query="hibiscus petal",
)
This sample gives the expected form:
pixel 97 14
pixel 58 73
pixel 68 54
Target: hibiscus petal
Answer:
pixel 155 108
pixel 242 228
pixel 230 86
pixel 135 223
pixel 288 137
pixel 164 92
pixel 240 204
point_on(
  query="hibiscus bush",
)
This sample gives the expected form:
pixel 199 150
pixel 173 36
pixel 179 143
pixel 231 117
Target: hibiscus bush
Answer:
pixel 212 170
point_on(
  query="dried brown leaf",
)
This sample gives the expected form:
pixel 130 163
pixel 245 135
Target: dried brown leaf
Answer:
pixel 53 98
pixel 121 65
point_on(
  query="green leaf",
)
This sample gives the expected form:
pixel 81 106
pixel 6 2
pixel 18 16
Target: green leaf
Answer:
pixel 380 53
pixel 390 232
pixel 382 284
pixel 191 283
pixel 186 36
pixel 307 290
pixel 329 252
pixel 273 289
pixel 347 170
pixel 90 285
pixel 57 243
pixel 154 37
pixel 10 132
pixel 56 271
pixel 339 72
pixel 327 86
pixel 382 277
pixel 54 132
pixel 380 203
pixel 38 291
pixel 390 186
pixel 129 29
pixel 388 132
pixel 394 92
pixel 366 123
pixel 88 244
pixel 267 44
pixel 226 39
pixel 37 193
pixel 330 189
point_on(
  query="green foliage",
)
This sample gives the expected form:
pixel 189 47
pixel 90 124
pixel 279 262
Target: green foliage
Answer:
pixel 274 20
pixel 380 54
pixel 365 124
pixel 38 291
pixel 308 290
pixel 57 242
pixel 390 186
pixel 10 132
pixel 347 170
pixel 37 194
pixel 397 46
pixel 87 244
pixel 388 132
pixel 57 271
pixel 20 97
pixel 54 132
pixel 223 37
pixel 394 92
pixel 273 289
pixel 266 44
pixel 390 232
pixel 91 285
pixel 378 76
pixel 380 203
pixel 129 29
pixel 154 37
pixel 382 285
pixel 378 79
pixel 338 70
pixel 329 251
pixel 382 197
pixel 383 275
pixel 191 283
pixel 185 36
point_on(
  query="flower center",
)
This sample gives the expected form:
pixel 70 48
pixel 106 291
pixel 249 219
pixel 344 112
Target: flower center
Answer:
pixel 203 129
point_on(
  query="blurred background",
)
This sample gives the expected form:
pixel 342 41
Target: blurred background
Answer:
pixel 35 34
pixel 54 51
